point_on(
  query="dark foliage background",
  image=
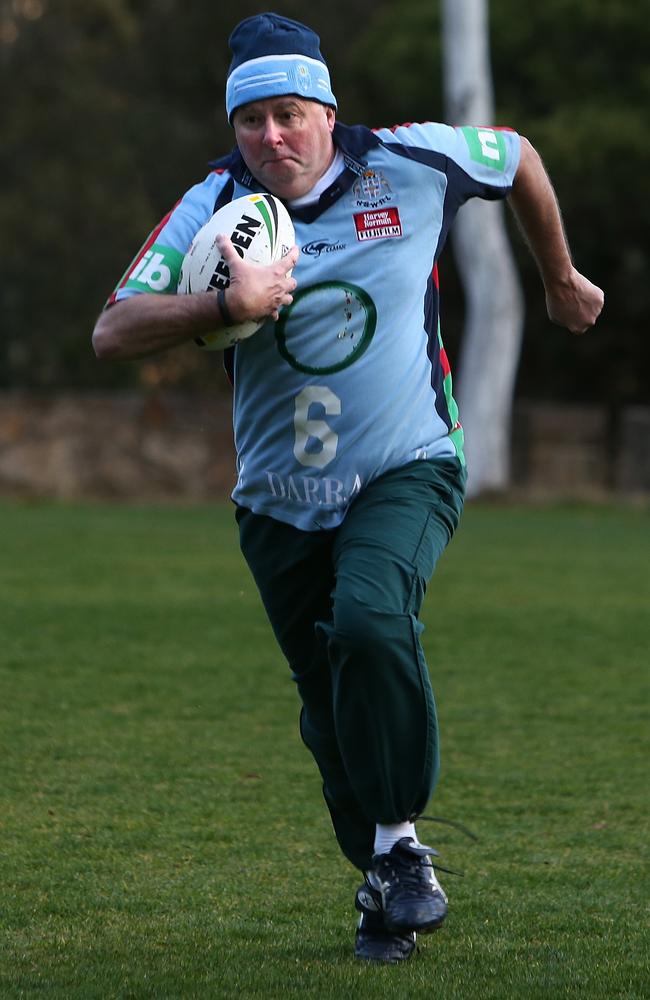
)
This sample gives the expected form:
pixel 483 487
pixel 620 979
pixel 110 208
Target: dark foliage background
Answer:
pixel 112 108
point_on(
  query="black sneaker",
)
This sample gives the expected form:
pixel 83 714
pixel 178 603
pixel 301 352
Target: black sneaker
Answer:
pixel 373 941
pixel 411 896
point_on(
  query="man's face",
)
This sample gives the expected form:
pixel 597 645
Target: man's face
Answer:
pixel 286 143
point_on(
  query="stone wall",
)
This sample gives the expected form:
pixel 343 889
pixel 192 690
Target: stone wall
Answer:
pixel 116 446
pixel 169 447
pixel 581 452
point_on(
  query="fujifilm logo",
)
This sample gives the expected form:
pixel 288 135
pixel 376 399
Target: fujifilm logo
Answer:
pixel 318 247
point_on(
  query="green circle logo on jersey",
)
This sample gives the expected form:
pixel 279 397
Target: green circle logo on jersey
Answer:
pixel 326 328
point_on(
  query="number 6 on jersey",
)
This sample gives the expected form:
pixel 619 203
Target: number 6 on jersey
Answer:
pixel 308 428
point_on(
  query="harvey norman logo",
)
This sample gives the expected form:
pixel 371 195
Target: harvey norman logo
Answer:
pixel 378 224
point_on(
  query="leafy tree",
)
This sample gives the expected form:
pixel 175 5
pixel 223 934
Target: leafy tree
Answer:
pixel 575 78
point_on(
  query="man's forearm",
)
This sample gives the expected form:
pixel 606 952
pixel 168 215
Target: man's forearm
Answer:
pixel 571 299
pixel 146 324
pixel 537 211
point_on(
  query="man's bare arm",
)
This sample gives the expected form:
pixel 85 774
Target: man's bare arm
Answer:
pixel 147 323
pixel 571 299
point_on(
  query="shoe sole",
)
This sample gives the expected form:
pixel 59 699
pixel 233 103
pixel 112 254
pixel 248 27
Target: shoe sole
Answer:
pixel 385 959
pixel 428 928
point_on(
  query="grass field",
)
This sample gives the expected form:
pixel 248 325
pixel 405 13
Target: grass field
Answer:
pixel 161 828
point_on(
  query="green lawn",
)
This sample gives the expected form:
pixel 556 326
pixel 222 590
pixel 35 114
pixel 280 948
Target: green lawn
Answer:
pixel 161 828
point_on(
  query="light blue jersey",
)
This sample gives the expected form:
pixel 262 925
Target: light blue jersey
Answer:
pixel 352 381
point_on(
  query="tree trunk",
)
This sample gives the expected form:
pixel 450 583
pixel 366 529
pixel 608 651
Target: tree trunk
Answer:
pixel 494 303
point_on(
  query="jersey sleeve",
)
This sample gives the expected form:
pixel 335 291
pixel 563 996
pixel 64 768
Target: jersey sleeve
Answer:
pixel 157 264
pixel 482 159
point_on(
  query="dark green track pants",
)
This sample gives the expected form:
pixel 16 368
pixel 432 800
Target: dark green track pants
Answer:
pixel 344 607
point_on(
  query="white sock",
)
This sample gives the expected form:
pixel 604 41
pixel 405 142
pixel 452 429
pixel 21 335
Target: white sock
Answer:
pixel 387 834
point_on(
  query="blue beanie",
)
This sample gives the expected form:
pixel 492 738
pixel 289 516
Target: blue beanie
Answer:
pixel 274 56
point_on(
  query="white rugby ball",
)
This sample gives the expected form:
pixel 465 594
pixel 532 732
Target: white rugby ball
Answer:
pixel 261 231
